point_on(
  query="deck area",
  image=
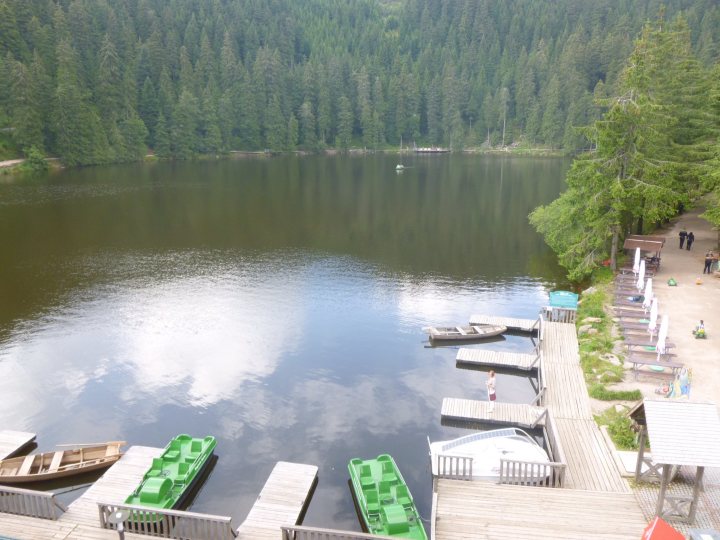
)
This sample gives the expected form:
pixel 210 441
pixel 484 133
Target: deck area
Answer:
pixel 506 414
pixel 594 493
pixel 497 359
pixel 481 510
pixel 13 441
pixel 281 501
pixel 519 325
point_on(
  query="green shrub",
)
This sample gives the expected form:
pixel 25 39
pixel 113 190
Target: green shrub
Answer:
pixel 599 391
pixel 619 428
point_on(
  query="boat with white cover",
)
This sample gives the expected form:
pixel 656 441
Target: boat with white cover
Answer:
pixel 487 448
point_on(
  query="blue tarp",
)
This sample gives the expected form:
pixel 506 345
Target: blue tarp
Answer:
pixel 563 299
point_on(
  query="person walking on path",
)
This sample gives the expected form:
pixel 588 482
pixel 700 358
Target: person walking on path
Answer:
pixel 690 240
pixel 708 263
pixel 490 384
pixel 683 234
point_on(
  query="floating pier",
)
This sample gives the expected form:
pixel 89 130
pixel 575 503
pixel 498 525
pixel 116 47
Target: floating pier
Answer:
pixel 11 442
pixel 282 501
pixel 498 359
pixel 510 414
pixel 519 325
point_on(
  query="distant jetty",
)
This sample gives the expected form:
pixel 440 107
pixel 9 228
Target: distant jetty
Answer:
pixel 431 150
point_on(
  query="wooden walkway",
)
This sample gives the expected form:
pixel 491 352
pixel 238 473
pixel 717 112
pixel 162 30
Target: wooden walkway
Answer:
pixel 497 359
pixel 281 501
pixel 481 510
pixel 519 325
pixel 13 441
pixel 510 414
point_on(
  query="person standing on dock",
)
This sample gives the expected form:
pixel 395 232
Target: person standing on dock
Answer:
pixel 690 240
pixel 708 263
pixel 490 384
pixel 683 234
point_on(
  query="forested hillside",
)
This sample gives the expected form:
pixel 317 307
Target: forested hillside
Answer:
pixel 97 81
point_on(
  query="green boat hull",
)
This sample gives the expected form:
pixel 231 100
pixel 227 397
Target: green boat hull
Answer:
pixel 383 498
pixel 172 475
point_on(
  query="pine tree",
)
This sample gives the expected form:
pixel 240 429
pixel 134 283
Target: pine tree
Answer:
pixel 345 123
pixel 163 148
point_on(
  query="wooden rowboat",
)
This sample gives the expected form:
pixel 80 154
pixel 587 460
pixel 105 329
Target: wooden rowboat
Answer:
pixel 459 333
pixel 51 465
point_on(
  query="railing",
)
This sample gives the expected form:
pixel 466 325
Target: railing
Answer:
pixel 26 502
pixel 299 532
pixel 531 473
pixel 456 467
pixel 553 444
pixel 560 315
pixel 168 523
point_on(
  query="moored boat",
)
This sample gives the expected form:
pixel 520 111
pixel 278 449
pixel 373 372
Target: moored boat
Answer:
pixel 383 499
pixel 487 448
pixel 59 464
pixel 460 333
pixel 172 475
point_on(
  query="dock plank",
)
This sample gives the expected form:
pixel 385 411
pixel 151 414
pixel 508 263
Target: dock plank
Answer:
pixel 499 359
pixel 14 441
pixel 281 501
pixel 470 410
pixel 511 323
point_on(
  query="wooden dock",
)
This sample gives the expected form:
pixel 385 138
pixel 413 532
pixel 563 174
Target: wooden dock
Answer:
pixel 507 414
pixel 593 492
pixel 497 359
pixel 81 520
pixel 282 501
pixel 12 442
pixel 481 510
pixel 519 325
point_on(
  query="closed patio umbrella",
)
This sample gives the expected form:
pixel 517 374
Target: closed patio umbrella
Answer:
pixel 648 294
pixel 641 276
pixel 662 336
pixel 652 325
pixel 636 264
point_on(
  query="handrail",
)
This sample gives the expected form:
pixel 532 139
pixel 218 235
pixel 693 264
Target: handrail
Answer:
pixel 456 467
pixel 531 473
pixel 299 532
pixel 168 523
pixel 542 415
pixel 27 502
pixel 537 400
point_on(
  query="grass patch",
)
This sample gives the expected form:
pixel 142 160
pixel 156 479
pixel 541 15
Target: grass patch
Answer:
pixel 619 428
pixel 599 391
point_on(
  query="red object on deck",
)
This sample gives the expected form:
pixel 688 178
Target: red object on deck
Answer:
pixel 658 529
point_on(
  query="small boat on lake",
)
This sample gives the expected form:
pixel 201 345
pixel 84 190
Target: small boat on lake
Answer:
pixel 383 499
pixel 463 333
pixel 172 475
pixel 487 448
pixel 399 167
pixel 60 464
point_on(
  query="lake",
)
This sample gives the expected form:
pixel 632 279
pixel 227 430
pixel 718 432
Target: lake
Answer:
pixel 275 303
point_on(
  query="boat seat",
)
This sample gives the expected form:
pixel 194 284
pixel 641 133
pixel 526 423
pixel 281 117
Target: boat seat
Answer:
pixel 371 501
pixel 26 465
pixel 462 332
pixel 384 492
pixel 191 457
pixel 402 494
pixel 388 473
pixel 366 478
pixel 55 463
pixel 396 519
pixel 171 454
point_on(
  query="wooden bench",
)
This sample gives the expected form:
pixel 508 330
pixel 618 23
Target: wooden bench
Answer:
pixel 638 361
pixel 55 463
pixel 26 465
pixel 630 343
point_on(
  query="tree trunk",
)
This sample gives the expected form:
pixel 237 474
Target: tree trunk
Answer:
pixel 614 248
pixel 640 225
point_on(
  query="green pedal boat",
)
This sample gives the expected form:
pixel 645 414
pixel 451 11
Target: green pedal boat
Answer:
pixel 383 498
pixel 173 474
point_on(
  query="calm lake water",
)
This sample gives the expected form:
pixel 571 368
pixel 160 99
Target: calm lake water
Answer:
pixel 276 303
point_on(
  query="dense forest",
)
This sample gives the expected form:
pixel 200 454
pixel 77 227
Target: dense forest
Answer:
pixel 95 81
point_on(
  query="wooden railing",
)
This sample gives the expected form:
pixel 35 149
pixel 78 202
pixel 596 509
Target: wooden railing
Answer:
pixel 553 444
pixel 299 532
pixel 456 467
pixel 560 315
pixel 25 502
pixel 531 473
pixel 168 523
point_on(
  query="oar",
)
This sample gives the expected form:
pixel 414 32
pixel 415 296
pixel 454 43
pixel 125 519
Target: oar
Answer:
pixel 104 443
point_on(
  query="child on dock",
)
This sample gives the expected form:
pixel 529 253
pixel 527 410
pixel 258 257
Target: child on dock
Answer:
pixel 490 384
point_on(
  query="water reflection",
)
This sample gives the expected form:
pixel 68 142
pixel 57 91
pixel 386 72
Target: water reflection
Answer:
pixel 276 304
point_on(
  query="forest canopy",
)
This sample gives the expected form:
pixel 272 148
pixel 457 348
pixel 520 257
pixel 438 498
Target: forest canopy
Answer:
pixel 96 81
